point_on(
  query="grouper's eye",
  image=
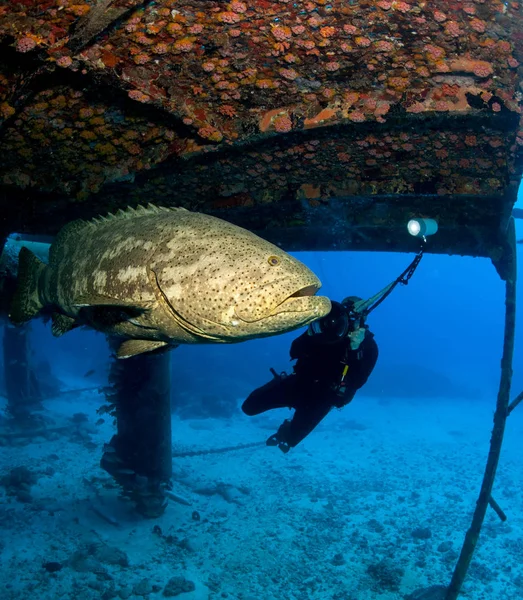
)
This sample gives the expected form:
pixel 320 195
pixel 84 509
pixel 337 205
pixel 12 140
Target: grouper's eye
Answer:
pixel 273 261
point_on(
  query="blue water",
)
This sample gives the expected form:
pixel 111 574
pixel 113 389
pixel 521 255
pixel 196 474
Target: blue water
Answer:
pixel 449 318
pixel 374 504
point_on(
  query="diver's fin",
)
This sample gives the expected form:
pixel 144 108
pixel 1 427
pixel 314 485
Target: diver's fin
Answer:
pixel 26 302
pixel 134 347
pixel 62 324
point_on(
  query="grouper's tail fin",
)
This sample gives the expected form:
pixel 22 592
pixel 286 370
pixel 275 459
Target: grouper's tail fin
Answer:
pixel 26 302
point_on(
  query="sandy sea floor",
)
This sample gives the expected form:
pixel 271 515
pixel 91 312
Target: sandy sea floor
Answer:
pixel 373 505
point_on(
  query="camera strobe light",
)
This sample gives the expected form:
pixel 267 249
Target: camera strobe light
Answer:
pixel 422 227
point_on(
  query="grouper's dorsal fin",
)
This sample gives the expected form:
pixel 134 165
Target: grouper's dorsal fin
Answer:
pixel 131 213
pixel 74 227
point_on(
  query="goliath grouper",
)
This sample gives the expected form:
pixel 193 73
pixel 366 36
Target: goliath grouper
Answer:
pixel 159 277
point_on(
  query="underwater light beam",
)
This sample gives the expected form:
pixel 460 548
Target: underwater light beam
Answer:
pixel 422 227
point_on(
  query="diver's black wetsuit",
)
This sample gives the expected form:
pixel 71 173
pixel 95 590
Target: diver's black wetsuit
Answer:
pixel 311 389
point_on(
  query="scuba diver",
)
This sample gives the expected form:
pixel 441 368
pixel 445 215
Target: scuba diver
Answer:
pixel 335 357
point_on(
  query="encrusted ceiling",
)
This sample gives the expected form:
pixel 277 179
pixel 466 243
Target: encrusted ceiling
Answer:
pixel 316 124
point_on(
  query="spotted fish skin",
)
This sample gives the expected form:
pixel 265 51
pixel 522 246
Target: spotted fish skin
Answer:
pixel 165 277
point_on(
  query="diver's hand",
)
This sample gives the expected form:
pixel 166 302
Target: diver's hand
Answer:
pixel 279 376
pixel 356 337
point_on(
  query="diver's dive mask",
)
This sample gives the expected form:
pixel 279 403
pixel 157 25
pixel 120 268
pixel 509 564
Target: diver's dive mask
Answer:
pixel 337 324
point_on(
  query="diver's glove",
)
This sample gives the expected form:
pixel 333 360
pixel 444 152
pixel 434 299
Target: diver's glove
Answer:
pixel 357 337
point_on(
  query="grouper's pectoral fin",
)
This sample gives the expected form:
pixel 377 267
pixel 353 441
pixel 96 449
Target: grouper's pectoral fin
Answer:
pixel 104 312
pixel 62 324
pixel 134 347
pixel 105 317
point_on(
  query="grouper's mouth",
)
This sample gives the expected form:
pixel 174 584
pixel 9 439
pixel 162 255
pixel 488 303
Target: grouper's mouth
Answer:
pixel 309 290
pixel 274 299
pixel 304 301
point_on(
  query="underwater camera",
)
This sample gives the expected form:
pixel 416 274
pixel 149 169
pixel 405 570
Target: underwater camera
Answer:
pixel 341 321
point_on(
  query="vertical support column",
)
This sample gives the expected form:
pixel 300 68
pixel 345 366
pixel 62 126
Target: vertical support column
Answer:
pixel 4 301
pixel 24 394
pixel 3 238
pixel 22 389
pixel 509 269
pixel 139 456
pixel 7 277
